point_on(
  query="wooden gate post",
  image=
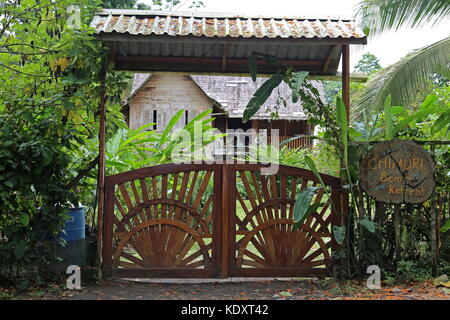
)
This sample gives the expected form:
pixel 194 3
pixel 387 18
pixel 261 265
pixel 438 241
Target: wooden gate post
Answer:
pixel 101 157
pixel 107 250
pixel 225 222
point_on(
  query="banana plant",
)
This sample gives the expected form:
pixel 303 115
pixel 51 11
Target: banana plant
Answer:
pixel 131 149
pixel 127 146
pixel 169 140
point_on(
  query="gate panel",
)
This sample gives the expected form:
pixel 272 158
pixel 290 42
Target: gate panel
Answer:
pixel 202 220
pixel 262 240
pixel 163 221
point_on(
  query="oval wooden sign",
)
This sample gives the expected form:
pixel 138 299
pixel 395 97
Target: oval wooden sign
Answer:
pixel 397 171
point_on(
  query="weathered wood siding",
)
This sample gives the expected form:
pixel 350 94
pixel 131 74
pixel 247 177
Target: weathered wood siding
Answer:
pixel 167 93
pixel 285 127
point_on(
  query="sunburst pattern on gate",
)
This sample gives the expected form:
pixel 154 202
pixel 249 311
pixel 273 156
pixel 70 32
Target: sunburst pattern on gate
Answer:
pixel 164 221
pixel 265 237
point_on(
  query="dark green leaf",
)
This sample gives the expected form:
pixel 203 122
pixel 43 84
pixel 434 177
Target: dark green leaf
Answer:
pixel 369 225
pixel 445 227
pixel 296 83
pixel 441 122
pixel 24 219
pixel 397 110
pixel 9 184
pixel 354 133
pixel 261 95
pixel 302 204
pixel 312 166
pixel 339 234
pixel 20 248
pixel 48 156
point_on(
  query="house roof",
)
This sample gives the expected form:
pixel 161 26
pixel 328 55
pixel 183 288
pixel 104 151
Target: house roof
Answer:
pixel 222 43
pixel 223 25
pixel 231 94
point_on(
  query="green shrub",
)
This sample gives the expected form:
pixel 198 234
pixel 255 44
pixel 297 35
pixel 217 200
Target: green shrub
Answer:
pixel 411 271
pixel 33 197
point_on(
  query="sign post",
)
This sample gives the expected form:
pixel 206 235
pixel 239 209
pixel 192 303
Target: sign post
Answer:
pixel 397 171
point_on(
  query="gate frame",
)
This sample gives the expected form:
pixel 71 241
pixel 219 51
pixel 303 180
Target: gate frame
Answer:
pixel 224 222
pixel 339 199
pixel 107 252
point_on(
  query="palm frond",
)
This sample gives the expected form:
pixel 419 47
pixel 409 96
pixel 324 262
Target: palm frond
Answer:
pixel 403 79
pixel 377 16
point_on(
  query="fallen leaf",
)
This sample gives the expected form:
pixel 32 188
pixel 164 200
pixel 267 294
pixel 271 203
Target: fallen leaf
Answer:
pixel 438 280
pixel 445 284
pixel 285 294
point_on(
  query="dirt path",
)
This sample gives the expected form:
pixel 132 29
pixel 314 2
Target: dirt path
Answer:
pixel 255 290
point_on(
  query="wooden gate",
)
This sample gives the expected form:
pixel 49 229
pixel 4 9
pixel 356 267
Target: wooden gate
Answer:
pixel 201 220
pixel 262 239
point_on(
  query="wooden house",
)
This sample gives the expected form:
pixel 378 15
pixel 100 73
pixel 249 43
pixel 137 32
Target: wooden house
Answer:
pixel 155 98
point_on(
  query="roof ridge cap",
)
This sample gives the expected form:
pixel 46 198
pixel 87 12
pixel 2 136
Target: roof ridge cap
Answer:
pixel 220 15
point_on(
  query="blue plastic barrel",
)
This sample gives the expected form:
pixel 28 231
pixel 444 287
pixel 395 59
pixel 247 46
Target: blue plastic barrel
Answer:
pixel 75 225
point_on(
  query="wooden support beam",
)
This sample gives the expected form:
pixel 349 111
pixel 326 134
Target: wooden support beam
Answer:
pixel 346 78
pixel 354 77
pixel 101 155
pixel 210 61
pixel 224 57
pixel 192 65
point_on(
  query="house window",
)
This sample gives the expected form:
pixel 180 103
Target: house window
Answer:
pixel 155 119
pixel 186 117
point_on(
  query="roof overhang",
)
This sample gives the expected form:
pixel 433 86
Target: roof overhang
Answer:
pixel 197 43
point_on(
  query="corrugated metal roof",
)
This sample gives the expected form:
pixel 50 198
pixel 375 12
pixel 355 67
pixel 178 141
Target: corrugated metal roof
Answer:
pixel 143 22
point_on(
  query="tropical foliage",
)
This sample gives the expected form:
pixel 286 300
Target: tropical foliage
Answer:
pixel 380 15
pixel 49 88
pixel 371 237
pixel 411 74
pixel 403 79
pixel 130 149
pixel 368 63
pixel 50 80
